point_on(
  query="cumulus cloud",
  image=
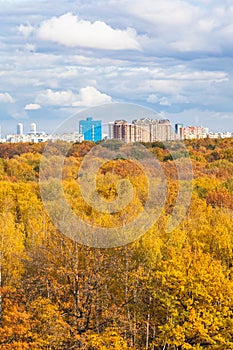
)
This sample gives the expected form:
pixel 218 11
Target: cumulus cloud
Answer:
pixel 182 26
pixel 90 96
pixel 71 31
pixel 87 97
pixel 56 98
pixel 6 98
pixel 176 37
pixel 32 107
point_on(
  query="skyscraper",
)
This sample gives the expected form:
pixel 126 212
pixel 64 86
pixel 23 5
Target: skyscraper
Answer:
pixel 19 129
pixel 91 129
pixel 123 131
pixel 33 128
pixel 178 130
pixel 164 131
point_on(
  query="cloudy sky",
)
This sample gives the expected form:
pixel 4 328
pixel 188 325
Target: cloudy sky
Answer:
pixel 172 56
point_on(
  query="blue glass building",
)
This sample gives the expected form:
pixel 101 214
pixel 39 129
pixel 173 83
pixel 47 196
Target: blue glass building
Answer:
pixel 91 129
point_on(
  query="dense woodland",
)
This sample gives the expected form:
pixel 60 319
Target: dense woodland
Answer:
pixel 164 291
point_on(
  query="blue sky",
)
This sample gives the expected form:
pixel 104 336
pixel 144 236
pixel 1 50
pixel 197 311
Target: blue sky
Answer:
pixel 172 56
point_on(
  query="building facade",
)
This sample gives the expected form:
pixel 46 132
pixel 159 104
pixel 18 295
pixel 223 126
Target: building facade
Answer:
pixel 193 132
pixel 33 129
pixel 141 130
pixel 123 131
pixel 91 129
pixel 19 129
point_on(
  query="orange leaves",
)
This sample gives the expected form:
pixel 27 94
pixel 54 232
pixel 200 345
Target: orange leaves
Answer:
pixel 165 291
pixel 15 330
pixel 48 327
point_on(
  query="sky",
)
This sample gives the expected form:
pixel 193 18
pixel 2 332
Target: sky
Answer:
pixel 172 57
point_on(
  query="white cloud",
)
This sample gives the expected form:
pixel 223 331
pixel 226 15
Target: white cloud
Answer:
pixel 181 26
pixel 32 107
pixel 88 96
pixel 25 30
pixel 6 98
pixel 71 31
pixel 56 98
pixel 166 12
pixel 30 47
pixel 173 64
pixel 168 86
pixel 164 102
pixel 152 98
pixel 202 75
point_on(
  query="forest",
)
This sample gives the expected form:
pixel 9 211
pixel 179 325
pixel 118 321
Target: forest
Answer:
pixel 163 291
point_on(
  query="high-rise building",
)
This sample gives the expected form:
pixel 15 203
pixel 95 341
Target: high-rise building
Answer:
pixel 142 130
pixel 19 129
pixel 33 128
pixel 164 131
pixel 91 129
pixel 178 130
pixel 124 131
pixel 111 130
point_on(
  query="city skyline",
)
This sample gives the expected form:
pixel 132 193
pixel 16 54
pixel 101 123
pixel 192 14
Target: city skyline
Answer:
pixel 145 129
pixel 174 57
pixel 29 127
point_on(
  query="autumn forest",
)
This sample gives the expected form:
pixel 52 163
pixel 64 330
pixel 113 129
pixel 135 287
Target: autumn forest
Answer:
pixel 164 291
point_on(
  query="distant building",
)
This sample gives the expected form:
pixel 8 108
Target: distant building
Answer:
pixel 164 130
pixel 193 132
pixel 123 131
pixel 220 135
pixel 141 130
pixel 68 137
pixel 145 129
pixel 91 129
pixel 178 128
pixel 19 129
pixel 111 130
pixel 30 137
pixel 33 128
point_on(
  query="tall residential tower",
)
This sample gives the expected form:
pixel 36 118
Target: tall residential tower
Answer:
pixel 91 129
pixel 19 129
pixel 141 130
